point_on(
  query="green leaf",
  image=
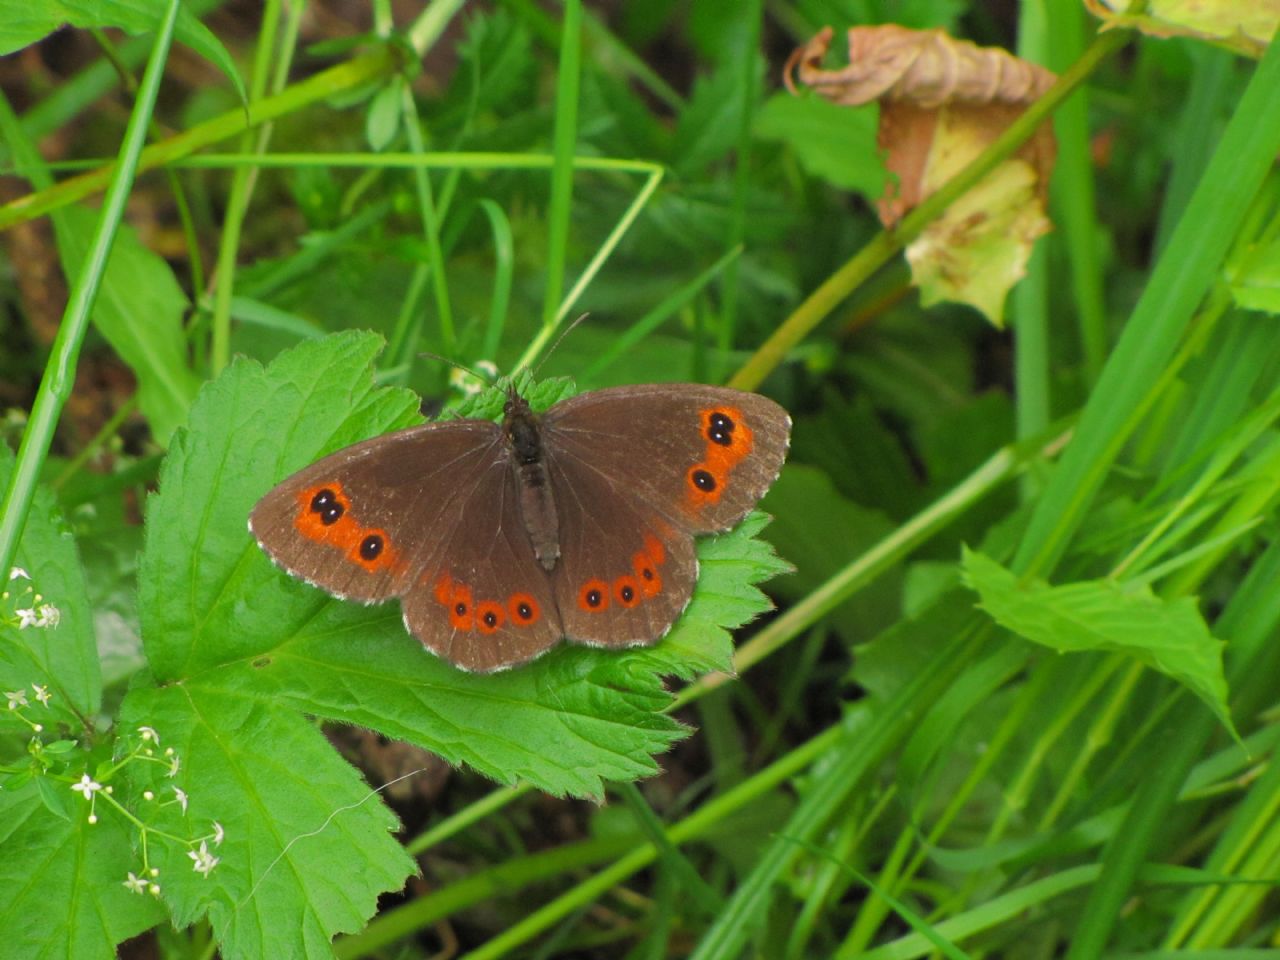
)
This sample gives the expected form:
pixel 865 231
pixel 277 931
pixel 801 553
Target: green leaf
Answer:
pixel 1167 635
pixel 832 142
pixel 708 126
pixel 213 606
pixel 23 22
pixel 382 122
pixel 62 888
pixel 139 310
pixel 1255 280
pixel 62 658
pixel 308 847
pixel 822 532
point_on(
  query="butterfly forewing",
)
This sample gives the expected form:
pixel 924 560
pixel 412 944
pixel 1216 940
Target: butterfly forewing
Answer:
pixel 702 456
pixel 352 522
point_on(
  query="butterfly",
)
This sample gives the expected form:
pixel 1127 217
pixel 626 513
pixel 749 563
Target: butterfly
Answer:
pixel 503 539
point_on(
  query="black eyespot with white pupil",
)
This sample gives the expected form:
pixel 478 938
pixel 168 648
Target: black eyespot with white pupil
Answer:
pixel 627 594
pixel 720 429
pixel 593 598
pixel 704 481
pixel 326 504
pixel 490 619
pixel 524 611
pixel 371 547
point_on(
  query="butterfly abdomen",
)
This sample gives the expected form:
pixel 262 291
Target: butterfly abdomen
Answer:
pixel 537 505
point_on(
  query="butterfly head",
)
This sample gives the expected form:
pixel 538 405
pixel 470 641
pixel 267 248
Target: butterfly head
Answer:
pixel 520 426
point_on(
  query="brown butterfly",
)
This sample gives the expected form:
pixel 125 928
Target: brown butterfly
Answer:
pixel 502 539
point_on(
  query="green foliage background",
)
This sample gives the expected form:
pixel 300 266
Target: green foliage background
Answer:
pixel 1018 697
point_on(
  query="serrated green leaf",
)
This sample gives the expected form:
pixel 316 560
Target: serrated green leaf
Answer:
pixel 213 606
pixel 833 142
pixel 62 888
pixel 1167 635
pixel 308 846
pixel 23 22
pixel 62 658
pixel 139 310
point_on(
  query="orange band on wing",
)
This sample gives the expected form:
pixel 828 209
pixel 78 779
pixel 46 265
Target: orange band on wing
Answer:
pixel 324 516
pixel 727 441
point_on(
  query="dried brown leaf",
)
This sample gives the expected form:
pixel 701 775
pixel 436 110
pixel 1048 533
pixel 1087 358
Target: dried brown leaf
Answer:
pixel 942 102
pixel 926 68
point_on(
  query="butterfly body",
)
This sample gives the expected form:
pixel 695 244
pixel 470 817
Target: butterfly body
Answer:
pixel 502 539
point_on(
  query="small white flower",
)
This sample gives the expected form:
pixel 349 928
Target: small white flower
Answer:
pixel 218 834
pixel 88 786
pixel 18 573
pixel 26 618
pixel 204 860
pixel 135 884
pixel 16 698
pixel 149 733
pixel 182 797
pixel 174 763
pixel 42 693
pixel 49 616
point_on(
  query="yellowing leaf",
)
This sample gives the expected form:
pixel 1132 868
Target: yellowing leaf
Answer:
pixel 1243 27
pixel 942 102
pixel 978 249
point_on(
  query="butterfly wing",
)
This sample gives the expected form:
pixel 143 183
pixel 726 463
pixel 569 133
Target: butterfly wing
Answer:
pixel 439 501
pixel 481 599
pixel 636 471
pixel 625 572
pixel 345 523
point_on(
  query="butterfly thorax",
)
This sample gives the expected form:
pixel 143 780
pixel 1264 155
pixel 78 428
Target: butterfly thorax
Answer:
pixel 522 430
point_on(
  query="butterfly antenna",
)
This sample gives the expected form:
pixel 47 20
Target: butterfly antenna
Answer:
pixel 487 377
pixel 563 333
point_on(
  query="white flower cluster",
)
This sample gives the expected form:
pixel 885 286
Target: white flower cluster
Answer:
pixel 147 879
pixel 40 614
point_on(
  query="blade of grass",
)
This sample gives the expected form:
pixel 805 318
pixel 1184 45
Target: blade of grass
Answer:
pixel 328 83
pixel 1178 285
pixel 752 14
pixel 59 376
pixel 503 276
pixel 564 140
pixel 689 828
pixel 1074 197
pixel 244 178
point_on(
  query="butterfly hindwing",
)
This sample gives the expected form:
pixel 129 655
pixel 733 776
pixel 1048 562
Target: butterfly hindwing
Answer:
pixel 480 599
pixel 625 573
